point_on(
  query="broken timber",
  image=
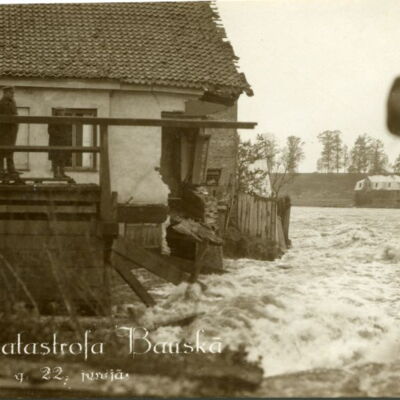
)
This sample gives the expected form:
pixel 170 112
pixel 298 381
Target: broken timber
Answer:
pixel 134 283
pixel 143 258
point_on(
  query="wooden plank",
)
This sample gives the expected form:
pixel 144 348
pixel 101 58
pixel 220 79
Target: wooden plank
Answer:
pixel 149 213
pixel 253 231
pixel 286 223
pixel 145 235
pixel 46 149
pixel 273 220
pixel 248 205
pixel 45 179
pixel 106 211
pixel 244 214
pixel 134 284
pixel 264 222
pixel 83 259
pixel 176 123
pixel 239 210
pixel 76 188
pixel 32 227
pixel 270 220
pixel 248 214
pixel 40 197
pixel 40 242
pixel 148 260
pixel 280 236
pixel 48 209
pixel 243 220
pixel 56 192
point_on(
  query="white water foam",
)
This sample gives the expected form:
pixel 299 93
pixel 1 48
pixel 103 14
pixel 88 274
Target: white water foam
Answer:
pixel 332 301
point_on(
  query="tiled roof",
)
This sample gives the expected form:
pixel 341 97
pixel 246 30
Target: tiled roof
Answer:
pixel 178 44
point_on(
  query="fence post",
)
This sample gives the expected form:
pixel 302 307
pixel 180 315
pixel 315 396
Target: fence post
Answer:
pixel 109 227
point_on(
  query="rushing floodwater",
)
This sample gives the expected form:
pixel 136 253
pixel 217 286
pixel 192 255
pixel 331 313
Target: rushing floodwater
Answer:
pixel 332 301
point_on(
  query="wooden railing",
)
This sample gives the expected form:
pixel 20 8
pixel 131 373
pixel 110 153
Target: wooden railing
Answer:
pixel 106 203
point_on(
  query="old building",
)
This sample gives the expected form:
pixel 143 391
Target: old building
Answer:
pixel 120 60
pixel 153 61
pixel 378 191
pixel 138 60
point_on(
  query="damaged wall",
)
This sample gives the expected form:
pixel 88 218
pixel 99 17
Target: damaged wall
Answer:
pixel 135 152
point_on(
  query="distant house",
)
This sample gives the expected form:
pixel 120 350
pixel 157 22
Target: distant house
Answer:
pixel 137 60
pixel 378 191
pixel 379 182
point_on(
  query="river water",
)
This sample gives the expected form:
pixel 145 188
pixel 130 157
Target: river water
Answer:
pixel 322 320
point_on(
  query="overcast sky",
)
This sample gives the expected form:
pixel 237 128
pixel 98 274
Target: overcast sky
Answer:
pixel 316 65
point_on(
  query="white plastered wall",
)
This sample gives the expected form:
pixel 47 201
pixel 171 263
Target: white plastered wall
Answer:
pixel 134 151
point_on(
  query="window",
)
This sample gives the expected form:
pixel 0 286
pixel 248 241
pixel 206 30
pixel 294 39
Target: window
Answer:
pixel 213 177
pixel 389 184
pixel 82 135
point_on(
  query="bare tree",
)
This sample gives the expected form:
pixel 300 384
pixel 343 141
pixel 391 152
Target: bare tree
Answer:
pixel 265 164
pixel 282 162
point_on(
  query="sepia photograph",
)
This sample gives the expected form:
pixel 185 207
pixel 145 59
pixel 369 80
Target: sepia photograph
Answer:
pixel 199 199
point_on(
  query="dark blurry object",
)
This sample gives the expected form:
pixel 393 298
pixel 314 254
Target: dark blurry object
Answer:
pixel 393 108
pixel 59 135
pixel 8 131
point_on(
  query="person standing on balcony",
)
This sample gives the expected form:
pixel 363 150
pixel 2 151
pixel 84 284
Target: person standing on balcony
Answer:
pixel 60 135
pixel 8 134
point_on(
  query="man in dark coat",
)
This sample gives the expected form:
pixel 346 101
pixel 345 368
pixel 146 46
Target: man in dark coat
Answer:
pixel 8 131
pixel 59 135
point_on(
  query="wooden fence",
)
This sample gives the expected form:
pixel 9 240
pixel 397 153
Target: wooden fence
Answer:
pixel 259 217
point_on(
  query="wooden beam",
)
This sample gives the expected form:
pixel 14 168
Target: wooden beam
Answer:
pixel 146 259
pixel 38 227
pixel 149 213
pixel 134 284
pixel 176 123
pixel 106 211
pixel 48 209
pixel 46 149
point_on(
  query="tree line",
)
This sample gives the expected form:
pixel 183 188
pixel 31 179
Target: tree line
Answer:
pixel 366 156
pixel 264 166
